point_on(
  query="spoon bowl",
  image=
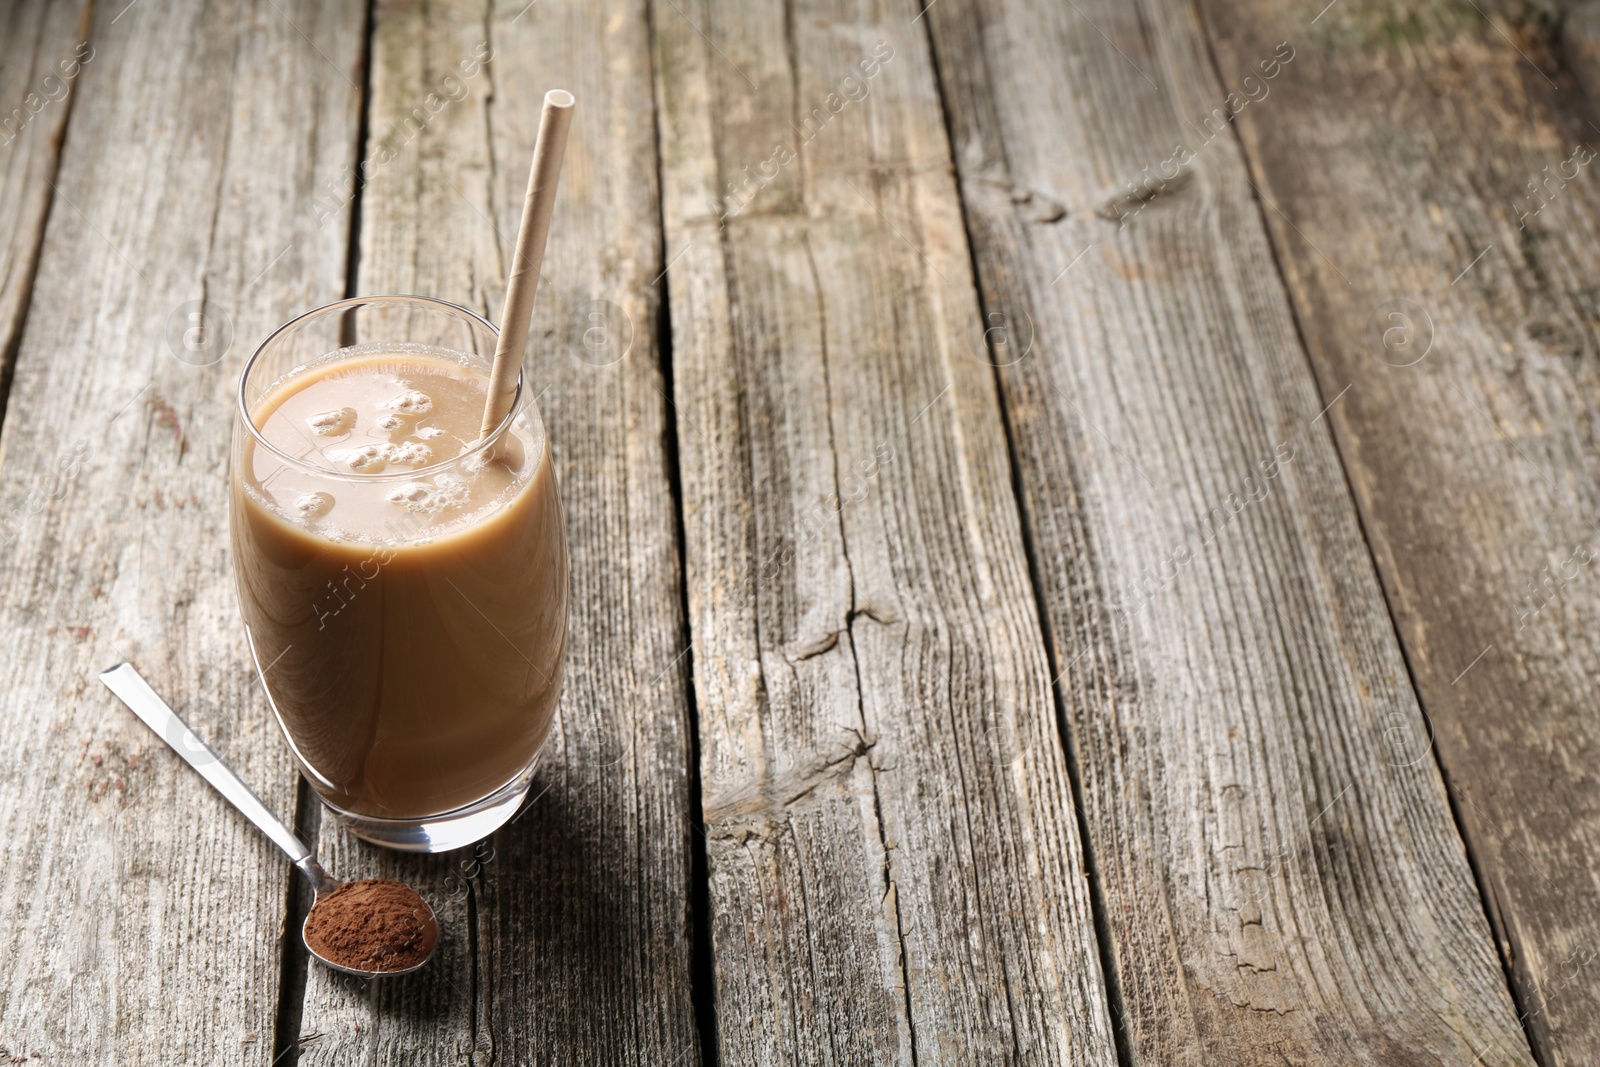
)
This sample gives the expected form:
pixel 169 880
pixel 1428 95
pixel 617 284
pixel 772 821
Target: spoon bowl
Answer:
pixel 325 887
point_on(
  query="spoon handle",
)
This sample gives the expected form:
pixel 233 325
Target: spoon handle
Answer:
pixel 135 692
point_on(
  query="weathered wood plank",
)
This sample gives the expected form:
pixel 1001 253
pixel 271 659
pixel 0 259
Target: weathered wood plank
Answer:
pixel 38 69
pixel 143 918
pixel 895 870
pixel 567 935
pixel 1437 169
pixel 1277 860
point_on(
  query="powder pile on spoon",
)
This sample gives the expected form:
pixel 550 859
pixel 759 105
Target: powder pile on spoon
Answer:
pixel 373 925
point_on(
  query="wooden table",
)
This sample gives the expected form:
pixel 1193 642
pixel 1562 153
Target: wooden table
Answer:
pixel 1082 520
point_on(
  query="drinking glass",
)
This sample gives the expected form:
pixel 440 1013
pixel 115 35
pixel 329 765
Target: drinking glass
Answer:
pixel 408 622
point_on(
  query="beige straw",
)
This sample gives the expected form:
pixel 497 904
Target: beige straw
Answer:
pixel 523 285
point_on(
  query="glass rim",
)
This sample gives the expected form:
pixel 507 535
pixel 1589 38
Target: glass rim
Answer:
pixel 482 444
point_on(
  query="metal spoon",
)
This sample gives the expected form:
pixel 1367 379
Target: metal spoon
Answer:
pixel 135 692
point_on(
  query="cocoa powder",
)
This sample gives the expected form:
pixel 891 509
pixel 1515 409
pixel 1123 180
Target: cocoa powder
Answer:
pixel 373 925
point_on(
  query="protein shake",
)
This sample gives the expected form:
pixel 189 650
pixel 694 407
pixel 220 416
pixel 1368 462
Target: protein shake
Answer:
pixel 405 592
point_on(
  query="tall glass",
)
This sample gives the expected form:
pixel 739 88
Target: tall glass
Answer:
pixel 403 584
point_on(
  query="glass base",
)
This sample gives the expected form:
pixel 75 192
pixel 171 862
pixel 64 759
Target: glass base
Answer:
pixel 441 833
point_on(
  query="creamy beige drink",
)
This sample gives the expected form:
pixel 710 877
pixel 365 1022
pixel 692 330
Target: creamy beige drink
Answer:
pixel 405 596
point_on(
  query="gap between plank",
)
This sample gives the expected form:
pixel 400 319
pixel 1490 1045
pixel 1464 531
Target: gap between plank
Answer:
pixel 1257 178
pixel 352 271
pixel 297 902
pixel 1109 976
pixel 8 359
pixel 702 967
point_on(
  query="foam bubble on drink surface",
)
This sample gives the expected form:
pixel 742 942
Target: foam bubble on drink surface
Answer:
pixel 313 505
pixel 422 498
pixel 411 454
pixel 370 459
pixel 411 402
pixel 332 423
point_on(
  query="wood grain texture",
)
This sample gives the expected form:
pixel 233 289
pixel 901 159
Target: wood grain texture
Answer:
pixel 39 67
pixel 143 917
pixel 895 870
pixel 1465 223
pixel 567 935
pixel 1275 853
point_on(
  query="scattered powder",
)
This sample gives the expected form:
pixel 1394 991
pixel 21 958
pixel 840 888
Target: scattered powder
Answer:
pixel 373 925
